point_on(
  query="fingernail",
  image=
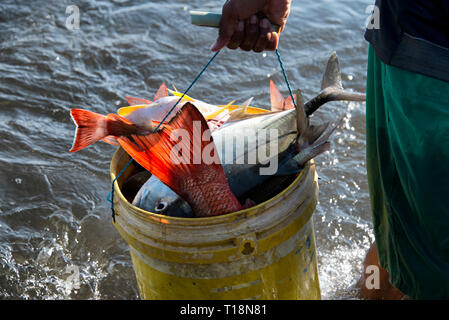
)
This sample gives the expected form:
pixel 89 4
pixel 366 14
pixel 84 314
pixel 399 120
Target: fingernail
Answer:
pixel 253 19
pixel 274 40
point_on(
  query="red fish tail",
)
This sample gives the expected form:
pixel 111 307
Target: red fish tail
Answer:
pixel 176 158
pixel 90 127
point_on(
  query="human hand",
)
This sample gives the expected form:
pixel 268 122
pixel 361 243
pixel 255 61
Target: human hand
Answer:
pixel 246 24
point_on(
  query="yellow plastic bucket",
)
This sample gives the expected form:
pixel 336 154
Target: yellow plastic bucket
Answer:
pixel 264 252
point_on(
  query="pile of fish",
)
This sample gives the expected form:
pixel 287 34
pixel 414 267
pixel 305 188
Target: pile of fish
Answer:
pixel 207 160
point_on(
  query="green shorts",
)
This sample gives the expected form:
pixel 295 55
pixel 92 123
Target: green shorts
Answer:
pixel 407 151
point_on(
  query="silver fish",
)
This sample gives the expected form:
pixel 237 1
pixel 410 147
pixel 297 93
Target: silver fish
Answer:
pixel 156 197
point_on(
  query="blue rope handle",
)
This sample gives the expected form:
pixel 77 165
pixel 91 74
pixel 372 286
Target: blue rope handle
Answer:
pixel 110 197
pixel 285 77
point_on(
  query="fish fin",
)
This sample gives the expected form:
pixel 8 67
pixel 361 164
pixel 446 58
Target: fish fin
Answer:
pixel 302 122
pixel 317 143
pixel 315 131
pixel 244 106
pixel 276 98
pixel 184 170
pixel 127 110
pixel 240 112
pixel 111 140
pixel 161 92
pixel 332 88
pixel 237 114
pixel 179 95
pixel 332 75
pixel 328 131
pixel 295 164
pixel 133 101
pixel 221 118
pixel 247 103
pixel 317 134
pixel 299 98
pixel 288 103
pixel 220 110
pixel 90 127
pixel 311 152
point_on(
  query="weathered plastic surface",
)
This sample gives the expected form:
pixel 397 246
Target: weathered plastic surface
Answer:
pixel 265 252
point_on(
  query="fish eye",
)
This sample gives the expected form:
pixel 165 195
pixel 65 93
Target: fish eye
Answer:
pixel 161 206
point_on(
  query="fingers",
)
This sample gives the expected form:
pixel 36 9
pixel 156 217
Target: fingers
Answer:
pixel 238 36
pixel 254 34
pixel 264 36
pixel 251 33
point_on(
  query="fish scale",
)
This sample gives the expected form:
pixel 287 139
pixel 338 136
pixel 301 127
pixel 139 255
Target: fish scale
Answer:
pixel 206 194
